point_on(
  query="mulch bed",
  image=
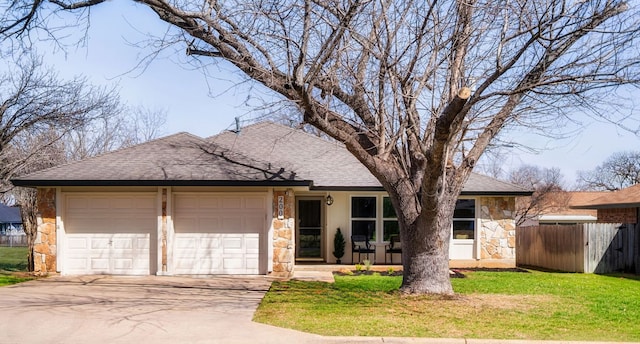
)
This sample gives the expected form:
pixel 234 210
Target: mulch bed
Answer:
pixel 455 273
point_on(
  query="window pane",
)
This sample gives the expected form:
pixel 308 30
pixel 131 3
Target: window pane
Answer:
pixel 390 228
pixel 363 207
pixel 310 213
pixel 361 227
pixel 463 229
pixel 387 208
pixel 465 209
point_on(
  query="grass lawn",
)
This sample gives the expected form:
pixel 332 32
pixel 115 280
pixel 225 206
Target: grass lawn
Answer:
pixel 498 305
pixel 12 260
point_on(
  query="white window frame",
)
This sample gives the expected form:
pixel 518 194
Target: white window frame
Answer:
pixel 475 221
pixel 376 219
pixel 379 219
pixel 383 219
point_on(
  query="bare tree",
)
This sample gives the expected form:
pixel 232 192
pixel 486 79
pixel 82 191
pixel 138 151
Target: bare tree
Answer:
pixel 122 128
pixel 620 170
pixel 36 111
pixel 416 90
pixel 547 186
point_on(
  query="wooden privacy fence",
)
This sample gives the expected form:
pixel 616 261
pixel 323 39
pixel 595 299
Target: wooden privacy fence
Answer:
pixel 589 247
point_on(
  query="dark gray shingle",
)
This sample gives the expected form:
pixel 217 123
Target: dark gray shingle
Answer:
pixel 265 152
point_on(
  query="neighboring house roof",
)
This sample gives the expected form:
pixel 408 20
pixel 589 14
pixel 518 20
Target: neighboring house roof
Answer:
pixel 558 206
pixel 10 214
pixel 624 198
pixel 261 154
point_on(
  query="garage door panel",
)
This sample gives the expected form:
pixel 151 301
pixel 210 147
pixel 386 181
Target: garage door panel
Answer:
pixel 255 203
pixel 99 265
pixel 214 253
pixel 252 243
pixel 98 243
pixel 223 233
pixel 107 253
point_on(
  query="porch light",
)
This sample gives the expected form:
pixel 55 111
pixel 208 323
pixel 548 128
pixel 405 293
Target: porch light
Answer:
pixel 329 200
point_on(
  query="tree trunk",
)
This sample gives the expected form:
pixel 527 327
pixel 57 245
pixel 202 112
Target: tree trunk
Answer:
pixel 425 248
pixel 28 207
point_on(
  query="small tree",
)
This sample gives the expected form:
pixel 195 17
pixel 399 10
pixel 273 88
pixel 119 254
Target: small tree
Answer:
pixel 547 186
pixel 338 245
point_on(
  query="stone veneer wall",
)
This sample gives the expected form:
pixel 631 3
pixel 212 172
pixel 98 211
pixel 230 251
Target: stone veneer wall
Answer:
pixel 45 248
pixel 497 228
pixel 283 234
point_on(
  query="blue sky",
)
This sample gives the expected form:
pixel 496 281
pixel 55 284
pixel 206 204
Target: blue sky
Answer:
pixel 207 105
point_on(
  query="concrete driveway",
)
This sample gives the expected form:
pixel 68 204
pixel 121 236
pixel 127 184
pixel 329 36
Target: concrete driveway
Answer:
pixel 108 309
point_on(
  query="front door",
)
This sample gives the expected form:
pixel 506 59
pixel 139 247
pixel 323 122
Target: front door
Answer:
pixel 309 243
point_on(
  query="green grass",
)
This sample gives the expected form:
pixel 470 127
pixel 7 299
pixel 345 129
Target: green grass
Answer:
pixel 10 279
pixel 499 305
pixel 13 258
pixel 12 261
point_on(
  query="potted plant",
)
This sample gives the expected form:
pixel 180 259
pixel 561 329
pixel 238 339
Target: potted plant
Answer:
pixel 338 246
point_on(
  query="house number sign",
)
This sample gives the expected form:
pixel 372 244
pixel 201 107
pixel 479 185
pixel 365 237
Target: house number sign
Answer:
pixel 280 207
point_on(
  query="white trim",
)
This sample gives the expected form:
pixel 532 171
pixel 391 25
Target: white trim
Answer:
pixel 467 242
pixel 60 232
pixel 269 231
pixel 568 218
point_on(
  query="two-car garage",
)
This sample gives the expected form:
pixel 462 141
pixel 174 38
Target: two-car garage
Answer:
pixel 206 233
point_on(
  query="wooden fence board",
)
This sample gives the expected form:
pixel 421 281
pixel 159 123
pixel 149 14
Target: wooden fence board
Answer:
pixel 593 247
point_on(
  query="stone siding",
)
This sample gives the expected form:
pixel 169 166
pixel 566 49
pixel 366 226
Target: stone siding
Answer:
pixel 45 248
pixel 497 228
pixel 283 233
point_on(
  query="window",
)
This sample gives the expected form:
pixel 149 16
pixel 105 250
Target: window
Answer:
pixel 389 220
pixel 363 216
pixel 373 216
pixel 464 219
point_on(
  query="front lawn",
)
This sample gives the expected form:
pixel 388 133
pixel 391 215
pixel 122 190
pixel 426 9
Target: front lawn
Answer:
pixel 13 258
pixel 499 305
pixel 13 261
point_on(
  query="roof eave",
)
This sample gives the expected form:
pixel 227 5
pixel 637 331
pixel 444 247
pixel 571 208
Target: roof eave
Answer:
pixel 380 188
pixel 60 183
pixel 608 206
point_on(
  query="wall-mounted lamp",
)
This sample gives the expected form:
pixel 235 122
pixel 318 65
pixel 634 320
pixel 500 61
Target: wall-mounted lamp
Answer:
pixel 329 200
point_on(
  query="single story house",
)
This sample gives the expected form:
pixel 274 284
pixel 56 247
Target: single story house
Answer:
pixel 253 201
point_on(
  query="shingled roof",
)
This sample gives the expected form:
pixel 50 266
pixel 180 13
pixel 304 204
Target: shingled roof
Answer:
pixel 624 198
pixel 261 154
pixel 9 214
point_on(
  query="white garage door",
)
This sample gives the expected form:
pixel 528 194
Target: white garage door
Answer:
pixel 218 233
pixel 109 233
